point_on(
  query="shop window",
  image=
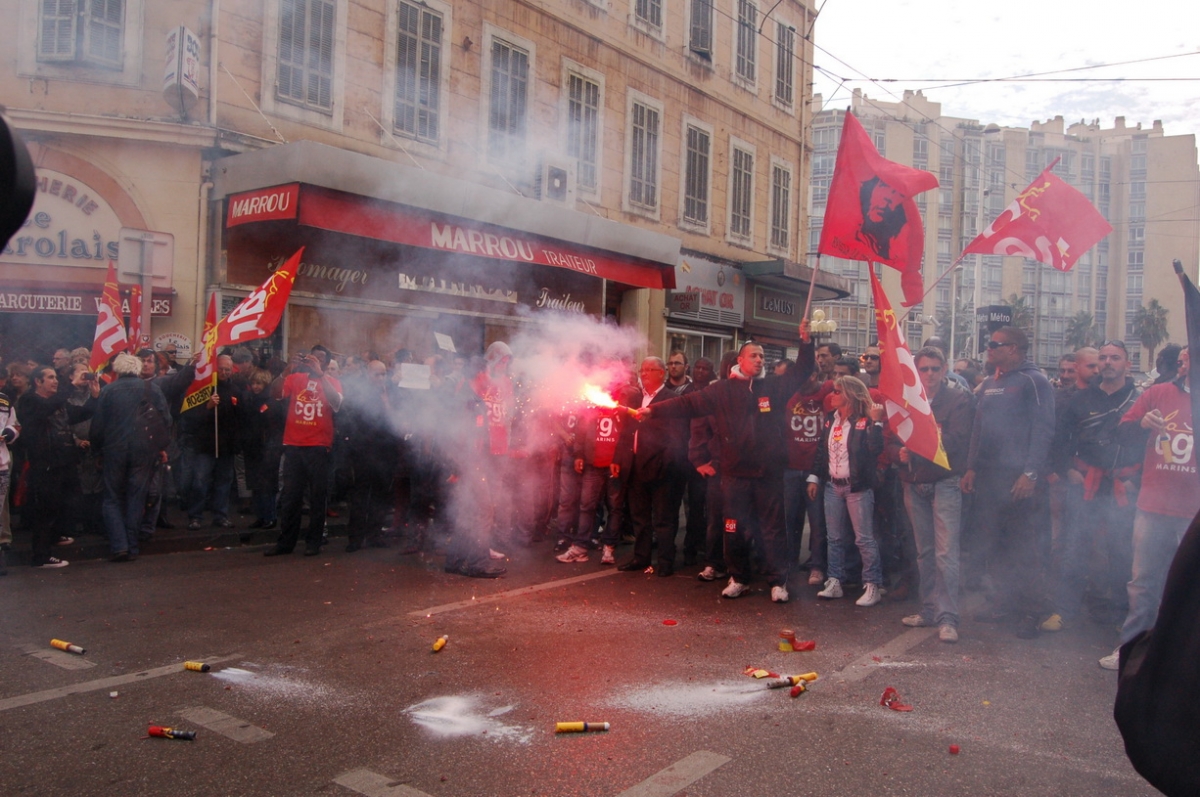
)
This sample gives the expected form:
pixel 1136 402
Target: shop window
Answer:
pixel 305 70
pixel 418 72
pixel 583 129
pixel 508 100
pixel 82 31
pixel 785 64
pixel 696 175
pixel 741 194
pixel 645 142
pixel 746 45
pixel 700 36
pixel 781 206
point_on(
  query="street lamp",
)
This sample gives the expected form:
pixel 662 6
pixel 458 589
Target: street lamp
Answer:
pixel 819 325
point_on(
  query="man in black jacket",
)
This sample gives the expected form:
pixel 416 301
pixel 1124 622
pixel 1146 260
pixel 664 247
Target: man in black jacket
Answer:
pixel 750 418
pixel 129 459
pixel 53 455
pixel 368 426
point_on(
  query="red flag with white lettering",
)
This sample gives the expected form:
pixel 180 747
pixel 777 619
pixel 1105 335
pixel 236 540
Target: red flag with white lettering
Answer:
pixel 110 335
pixel 258 314
pixel 870 214
pixel 909 413
pixel 135 318
pixel 1049 221
pixel 204 384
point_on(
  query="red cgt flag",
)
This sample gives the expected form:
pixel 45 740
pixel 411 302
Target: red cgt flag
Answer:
pixel 909 413
pixel 110 324
pixel 258 314
pixel 870 214
pixel 1049 221
pixel 135 318
pixel 204 384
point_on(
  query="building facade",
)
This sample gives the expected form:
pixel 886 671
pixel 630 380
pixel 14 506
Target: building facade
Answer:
pixel 451 168
pixel 1146 183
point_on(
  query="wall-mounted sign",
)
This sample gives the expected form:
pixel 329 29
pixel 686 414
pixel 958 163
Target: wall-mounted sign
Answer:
pixel 181 77
pixel 777 308
pixel 70 225
pixel 995 316
pixel 71 302
pixel 719 288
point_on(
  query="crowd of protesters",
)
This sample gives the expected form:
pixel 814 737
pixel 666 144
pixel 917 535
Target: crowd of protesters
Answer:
pixel 1061 495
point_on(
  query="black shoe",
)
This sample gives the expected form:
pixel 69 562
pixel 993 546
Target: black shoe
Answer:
pixel 351 547
pixel 223 523
pixel 312 551
pixel 258 524
pixel 123 556
pixel 277 551
pixel 489 570
pixel 633 564
pixel 194 525
pixel 143 537
pixel 1027 627
pixel 270 525
pixel 664 571
pixel 163 523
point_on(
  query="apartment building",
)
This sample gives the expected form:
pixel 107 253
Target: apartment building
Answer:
pixel 1145 182
pixel 451 168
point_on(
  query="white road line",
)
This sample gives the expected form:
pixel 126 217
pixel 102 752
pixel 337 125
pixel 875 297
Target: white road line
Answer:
pixel 678 776
pixel 103 683
pixel 364 781
pixel 68 661
pixel 512 593
pixel 222 723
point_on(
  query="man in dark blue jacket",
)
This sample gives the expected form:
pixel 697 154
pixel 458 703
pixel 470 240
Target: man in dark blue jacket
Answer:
pixel 1010 447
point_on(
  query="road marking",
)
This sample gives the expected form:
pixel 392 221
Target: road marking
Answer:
pixel 372 784
pixel 678 776
pixel 222 723
pixel 864 665
pixel 103 683
pixel 512 593
pixel 68 661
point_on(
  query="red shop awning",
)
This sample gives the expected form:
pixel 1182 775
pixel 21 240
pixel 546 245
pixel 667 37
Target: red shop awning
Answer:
pixel 351 214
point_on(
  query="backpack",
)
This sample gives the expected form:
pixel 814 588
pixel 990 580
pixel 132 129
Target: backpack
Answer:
pixel 151 432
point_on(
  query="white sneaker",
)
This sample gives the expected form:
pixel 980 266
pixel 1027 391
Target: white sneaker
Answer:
pixel 54 561
pixel 947 633
pixel 734 589
pixel 1112 661
pixel 916 621
pixel 815 578
pixel 493 553
pixel 871 596
pixel 710 573
pixel 65 541
pixel 573 554
pixel 779 595
pixel 608 556
pixel 833 589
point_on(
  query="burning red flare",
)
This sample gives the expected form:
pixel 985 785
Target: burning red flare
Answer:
pixel 595 394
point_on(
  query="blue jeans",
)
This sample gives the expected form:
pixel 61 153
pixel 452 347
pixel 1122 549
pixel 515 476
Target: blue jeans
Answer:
pixel 126 480
pixel 936 514
pixel 210 472
pixel 843 508
pixel 795 507
pixel 1155 539
pixel 1083 524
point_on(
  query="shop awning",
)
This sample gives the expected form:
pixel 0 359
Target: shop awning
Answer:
pixel 788 275
pixel 332 189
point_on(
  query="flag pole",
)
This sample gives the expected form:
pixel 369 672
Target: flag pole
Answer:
pixel 812 287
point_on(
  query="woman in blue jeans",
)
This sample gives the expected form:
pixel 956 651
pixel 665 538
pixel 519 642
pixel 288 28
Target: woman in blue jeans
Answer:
pixel 851 442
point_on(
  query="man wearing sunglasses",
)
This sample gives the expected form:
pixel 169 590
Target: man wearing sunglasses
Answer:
pixel 1097 470
pixel 870 366
pixel 1010 447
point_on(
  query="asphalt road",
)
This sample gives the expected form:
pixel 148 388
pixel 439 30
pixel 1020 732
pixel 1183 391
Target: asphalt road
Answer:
pixel 323 682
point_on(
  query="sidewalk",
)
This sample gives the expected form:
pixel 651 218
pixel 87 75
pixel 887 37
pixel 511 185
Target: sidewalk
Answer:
pixel 93 546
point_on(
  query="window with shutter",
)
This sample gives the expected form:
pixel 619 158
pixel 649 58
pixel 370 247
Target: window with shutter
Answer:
pixel 745 55
pixel 785 56
pixel 742 193
pixel 781 204
pixel 643 157
pixel 418 72
pixel 583 128
pixel 696 176
pixel 88 32
pixel 508 101
pixel 700 40
pixel 305 65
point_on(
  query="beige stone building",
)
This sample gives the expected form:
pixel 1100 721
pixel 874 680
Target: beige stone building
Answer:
pixel 450 168
pixel 1145 182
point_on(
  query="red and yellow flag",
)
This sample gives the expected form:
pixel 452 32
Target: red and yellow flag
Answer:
pixel 908 410
pixel 135 319
pixel 205 382
pixel 258 314
pixel 110 324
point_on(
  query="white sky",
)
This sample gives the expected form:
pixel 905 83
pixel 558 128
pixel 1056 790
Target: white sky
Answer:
pixel 922 42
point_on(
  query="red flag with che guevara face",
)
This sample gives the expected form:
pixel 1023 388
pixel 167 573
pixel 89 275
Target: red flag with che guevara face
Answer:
pixel 870 214
pixel 1049 221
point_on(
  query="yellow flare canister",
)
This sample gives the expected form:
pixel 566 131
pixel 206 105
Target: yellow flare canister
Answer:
pixel 67 646
pixel 579 727
pixel 196 666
